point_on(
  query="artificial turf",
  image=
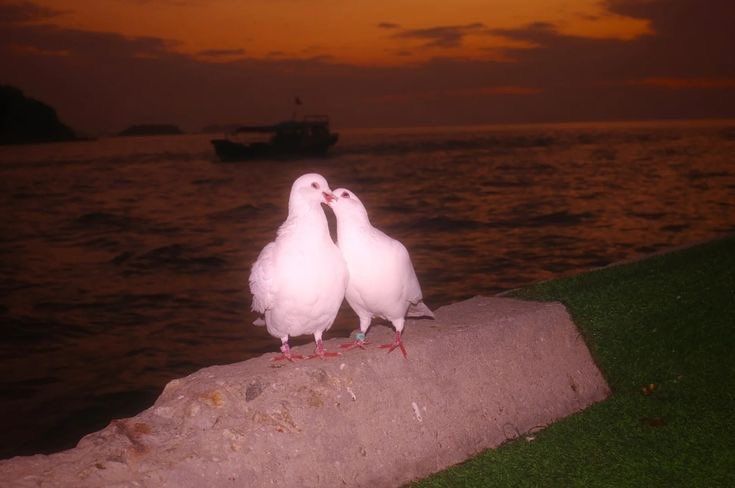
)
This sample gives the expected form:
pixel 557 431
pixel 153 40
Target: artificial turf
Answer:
pixel 662 331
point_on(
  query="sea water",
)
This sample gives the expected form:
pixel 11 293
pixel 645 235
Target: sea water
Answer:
pixel 124 261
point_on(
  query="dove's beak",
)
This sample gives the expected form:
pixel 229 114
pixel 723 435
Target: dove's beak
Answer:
pixel 328 197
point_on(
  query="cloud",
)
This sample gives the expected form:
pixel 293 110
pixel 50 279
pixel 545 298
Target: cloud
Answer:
pixel 171 2
pixel 404 53
pixel 503 90
pixel 442 36
pixel 22 32
pixel 444 94
pixel 686 83
pixel 535 32
pixel 104 81
pixel 688 39
pixel 690 36
pixel 215 53
pixel 25 49
pixel 20 12
pixel 388 25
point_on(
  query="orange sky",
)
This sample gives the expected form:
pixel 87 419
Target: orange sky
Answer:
pixel 107 64
pixel 358 32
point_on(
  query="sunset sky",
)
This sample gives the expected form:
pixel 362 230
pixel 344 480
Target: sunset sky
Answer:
pixel 106 64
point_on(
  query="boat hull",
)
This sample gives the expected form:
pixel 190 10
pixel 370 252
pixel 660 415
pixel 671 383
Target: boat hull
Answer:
pixel 231 151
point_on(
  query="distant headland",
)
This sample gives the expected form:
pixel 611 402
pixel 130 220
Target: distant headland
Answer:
pixel 151 130
pixel 24 120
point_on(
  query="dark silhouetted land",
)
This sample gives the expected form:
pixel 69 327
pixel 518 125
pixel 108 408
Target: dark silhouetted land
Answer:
pixel 151 130
pixel 25 120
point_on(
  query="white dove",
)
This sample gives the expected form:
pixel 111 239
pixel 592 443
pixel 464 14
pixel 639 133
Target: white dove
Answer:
pixel 299 280
pixel 382 281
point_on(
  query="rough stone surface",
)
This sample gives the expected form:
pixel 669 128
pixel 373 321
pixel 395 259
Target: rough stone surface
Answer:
pixel 486 371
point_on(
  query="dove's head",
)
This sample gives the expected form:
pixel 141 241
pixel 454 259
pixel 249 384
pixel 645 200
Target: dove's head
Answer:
pixel 346 205
pixel 309 190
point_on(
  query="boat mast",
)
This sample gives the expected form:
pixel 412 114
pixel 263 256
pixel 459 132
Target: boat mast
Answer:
pixel 296 106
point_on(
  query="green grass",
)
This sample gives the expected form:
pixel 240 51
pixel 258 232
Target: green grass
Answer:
pixel 668 321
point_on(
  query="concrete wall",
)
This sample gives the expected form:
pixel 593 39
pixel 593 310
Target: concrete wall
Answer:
pixel 486 371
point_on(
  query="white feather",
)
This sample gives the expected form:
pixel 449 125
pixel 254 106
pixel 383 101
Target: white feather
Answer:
pixel 298 281
pixel 382 281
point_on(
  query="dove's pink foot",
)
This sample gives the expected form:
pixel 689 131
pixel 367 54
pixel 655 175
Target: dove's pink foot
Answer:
pixel 396 343
pixel 286 354
pixel 321 353
pixel 358 342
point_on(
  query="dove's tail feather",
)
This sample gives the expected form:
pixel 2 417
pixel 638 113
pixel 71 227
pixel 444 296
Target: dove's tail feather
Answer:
pixel 259 322
pixel 419 310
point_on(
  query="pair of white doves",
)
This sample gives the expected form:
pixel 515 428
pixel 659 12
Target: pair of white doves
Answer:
pixel 299 280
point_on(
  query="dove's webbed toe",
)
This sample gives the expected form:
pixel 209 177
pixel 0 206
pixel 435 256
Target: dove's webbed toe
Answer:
pixel 286 354
pixel 397 343
pixel 321 353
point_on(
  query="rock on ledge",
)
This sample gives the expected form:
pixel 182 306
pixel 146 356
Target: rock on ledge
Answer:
pixel 486 371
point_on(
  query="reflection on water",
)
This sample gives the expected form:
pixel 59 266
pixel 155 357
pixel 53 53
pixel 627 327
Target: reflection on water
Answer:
pixel 124 261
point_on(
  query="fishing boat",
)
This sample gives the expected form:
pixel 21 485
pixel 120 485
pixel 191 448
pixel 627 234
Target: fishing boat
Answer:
pixel 308 137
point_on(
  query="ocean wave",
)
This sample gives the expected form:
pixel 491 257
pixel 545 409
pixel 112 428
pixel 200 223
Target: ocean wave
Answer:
pixel 173 257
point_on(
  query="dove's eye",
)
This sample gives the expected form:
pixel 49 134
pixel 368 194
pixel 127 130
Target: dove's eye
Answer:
pixel 315 185
pixel 345 194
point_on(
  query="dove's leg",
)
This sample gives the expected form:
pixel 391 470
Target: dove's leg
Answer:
pixel 319 352
pixel 398 324
pixel 360 340
pixel 286 352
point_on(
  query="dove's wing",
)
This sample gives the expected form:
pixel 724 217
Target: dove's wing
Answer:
pixel 416 307
pixel 261 279
pixel 406 273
